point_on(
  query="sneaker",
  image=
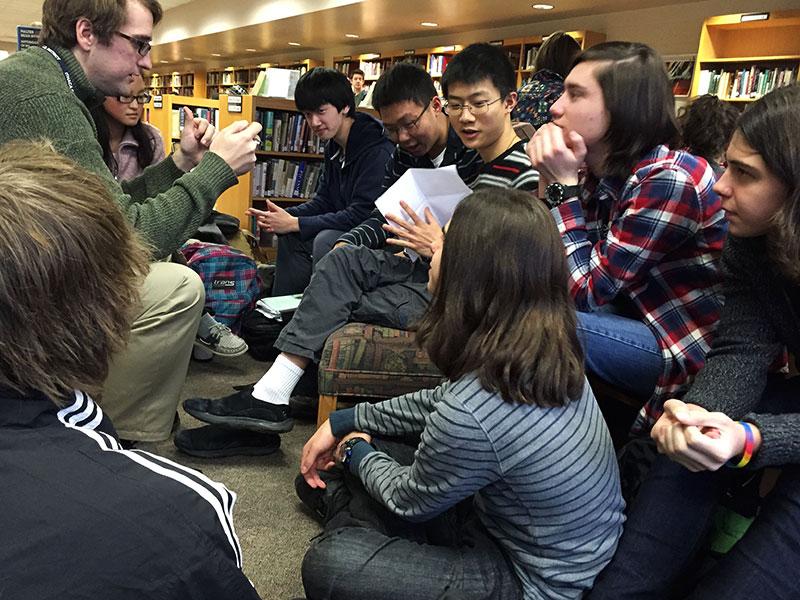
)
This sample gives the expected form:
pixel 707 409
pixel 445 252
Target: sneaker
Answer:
pixel 216 441
pixel 313 498
pixel 242 411
pixel 218 338
pixel 304 407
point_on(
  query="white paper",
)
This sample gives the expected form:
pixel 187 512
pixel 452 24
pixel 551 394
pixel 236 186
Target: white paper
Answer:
pixel 438 189
pixel 273 307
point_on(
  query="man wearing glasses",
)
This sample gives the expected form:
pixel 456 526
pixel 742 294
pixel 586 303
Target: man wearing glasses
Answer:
pixel 91 49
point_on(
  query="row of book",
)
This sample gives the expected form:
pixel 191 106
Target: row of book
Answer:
pixel 287 132
pixel 372 70
pixel 241 77
pixel 178 116
pixel 751 82
pixel 437 63
pixel 277 177
pixel 530 57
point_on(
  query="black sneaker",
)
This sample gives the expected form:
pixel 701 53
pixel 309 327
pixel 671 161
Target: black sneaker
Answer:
pixel 241 411
pixel 313 498
pixel 304 407
pixel 216 441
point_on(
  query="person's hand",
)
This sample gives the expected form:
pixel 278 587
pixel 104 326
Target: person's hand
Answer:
pixel 318 455
pixel 196 138
pixel 236 145
pixel 274 219
pixel 339 454
pixel 557 154
pixel 418 235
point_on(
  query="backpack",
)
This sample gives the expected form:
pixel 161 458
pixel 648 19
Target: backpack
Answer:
pixel 229 277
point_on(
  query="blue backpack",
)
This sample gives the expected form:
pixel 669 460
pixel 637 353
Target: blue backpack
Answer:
pixel 229 277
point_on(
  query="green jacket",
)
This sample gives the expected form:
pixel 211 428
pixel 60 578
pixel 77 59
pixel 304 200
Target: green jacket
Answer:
pixel 164 204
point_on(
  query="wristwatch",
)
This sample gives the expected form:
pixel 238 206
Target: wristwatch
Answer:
pixel 347 449
pixel 556 193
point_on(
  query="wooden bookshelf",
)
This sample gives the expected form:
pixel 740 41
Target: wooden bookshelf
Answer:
pixel 528 46
pixel 218 81
pixel 164 113
pixel 178 83
pixel 740 61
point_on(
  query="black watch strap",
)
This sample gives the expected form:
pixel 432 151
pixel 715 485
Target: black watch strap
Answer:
pixel 556 193
pixel 347 449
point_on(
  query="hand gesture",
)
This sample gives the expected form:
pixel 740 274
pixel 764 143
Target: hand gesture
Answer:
pixel 557 154
pixel 236 145
pixel 196 138
pixel 318 455
pixel 274 219
pixel 417 235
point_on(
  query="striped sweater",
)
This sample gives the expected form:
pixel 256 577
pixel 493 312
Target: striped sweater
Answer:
pixel 512 169
pixel 544 480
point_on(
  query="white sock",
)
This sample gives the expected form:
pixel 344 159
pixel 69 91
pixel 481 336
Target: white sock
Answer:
pixel 277 384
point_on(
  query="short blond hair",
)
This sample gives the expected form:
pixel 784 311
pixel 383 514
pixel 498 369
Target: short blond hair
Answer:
pixel 70 271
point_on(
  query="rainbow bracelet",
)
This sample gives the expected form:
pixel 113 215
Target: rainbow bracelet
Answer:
pixel 749 442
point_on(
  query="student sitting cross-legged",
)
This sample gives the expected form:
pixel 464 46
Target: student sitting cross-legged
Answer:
pixel 83 518
pixel 359 283
pixel 513 490
pixel 643 231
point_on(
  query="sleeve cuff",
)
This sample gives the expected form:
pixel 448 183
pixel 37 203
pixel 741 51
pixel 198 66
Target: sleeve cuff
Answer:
pixel 343 422
pixel 360 451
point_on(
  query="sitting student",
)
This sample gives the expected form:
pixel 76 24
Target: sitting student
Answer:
pixel 553 61
pixel 355 159
pixel 515 431
pixel 736 413
pixel 81 517
pixel 360 284
pixel 707 125
pixel 643 233
pixel 357 81
pixel 129 144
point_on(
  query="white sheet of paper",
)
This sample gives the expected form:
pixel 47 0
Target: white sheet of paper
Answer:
pixel 438 189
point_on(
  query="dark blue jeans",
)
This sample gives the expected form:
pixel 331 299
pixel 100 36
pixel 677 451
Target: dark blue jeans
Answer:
pixel 368 553
pixel 669 522
pixel 297 259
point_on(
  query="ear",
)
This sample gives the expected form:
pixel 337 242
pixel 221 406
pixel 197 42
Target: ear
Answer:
pixel 84 34
pixel 346 109
pixel 436 104
pixel 510 101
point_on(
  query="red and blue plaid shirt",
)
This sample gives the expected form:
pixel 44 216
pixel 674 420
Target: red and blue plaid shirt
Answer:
pixel 652 243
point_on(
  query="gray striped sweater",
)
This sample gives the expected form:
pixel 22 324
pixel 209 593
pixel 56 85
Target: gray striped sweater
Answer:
pixel 545 480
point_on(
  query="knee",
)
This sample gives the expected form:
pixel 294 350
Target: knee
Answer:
pixel 328 566
pixel 175 288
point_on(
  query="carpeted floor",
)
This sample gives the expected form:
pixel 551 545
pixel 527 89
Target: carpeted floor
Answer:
pixel 274 528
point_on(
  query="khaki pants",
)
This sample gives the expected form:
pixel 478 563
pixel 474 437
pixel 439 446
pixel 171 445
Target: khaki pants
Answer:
pixel 141 392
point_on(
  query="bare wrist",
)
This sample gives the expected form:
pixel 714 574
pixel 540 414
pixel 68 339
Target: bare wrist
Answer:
pixel 182 161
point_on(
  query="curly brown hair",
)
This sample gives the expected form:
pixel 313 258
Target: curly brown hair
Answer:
pixel 70 270
pixel 707 125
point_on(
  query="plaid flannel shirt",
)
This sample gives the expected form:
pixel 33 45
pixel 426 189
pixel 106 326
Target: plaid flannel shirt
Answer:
pixel 652 243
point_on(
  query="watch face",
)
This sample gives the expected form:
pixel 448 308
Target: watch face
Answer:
pixel 554 194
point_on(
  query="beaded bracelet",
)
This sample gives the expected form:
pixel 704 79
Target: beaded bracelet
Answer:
pixel 749 442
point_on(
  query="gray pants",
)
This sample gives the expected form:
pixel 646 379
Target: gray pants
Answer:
pixel 366 552
pixel 298 258
pixel 356 284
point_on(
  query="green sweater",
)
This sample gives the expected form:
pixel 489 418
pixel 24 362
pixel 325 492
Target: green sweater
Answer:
pixel 164 204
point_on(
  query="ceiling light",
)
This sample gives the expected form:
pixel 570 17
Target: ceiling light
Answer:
pixel 754 17
pixel 294 43
pixel 351 35
pixel 429 24
pixel 250 50
pixel 215 54
pixel 186 58
pixel 163 61
pixel 543 6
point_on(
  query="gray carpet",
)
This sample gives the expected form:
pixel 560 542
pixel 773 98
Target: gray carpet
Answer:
pixel 274 528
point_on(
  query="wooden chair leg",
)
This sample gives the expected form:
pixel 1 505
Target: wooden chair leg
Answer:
pixel 327 404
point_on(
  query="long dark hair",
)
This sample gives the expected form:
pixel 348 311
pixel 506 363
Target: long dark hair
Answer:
pixel 143 135
pixel 557 53
pixel 501 308
pixel 771 127
pixel 639 101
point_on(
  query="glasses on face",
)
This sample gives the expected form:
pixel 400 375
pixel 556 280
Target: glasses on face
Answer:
pixel 142 46
pixel 142 98
pixel 478 107
pixel 393 131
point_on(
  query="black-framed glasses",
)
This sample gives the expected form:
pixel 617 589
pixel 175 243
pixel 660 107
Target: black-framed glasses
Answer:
pixel 142 46
pixel 142 98
pixel 478 107
pixel 393 131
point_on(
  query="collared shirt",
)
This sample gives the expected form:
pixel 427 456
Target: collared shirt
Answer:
pixel 652 244
pixel 126 156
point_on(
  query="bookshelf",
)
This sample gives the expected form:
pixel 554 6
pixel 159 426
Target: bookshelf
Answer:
pixel 183 84
pixel 219 80
pixel 741 60
pixel 165 113
pixel 524 50
pixel 680 68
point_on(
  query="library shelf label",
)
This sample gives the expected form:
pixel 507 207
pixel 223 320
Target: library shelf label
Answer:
pixel 158 102
pixel 234 104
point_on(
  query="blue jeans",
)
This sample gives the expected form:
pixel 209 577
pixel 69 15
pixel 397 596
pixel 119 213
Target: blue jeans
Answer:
pixel 668 525
pixel 621 351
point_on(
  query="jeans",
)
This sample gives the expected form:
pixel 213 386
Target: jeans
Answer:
pixel 668 525
pixel 621 351
pixel 298 258
pixel 368 553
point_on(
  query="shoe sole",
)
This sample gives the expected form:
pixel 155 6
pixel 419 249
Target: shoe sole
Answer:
pixel 215 352
pixel 257 425
pixel 243 451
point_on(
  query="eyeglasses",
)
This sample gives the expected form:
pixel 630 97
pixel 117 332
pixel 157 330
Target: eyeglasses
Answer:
pixel 478 107
pixel 393 131
pixel 142 46
pixel 142 98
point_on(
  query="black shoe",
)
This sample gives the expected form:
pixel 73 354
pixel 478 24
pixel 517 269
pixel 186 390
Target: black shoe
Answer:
pixel 304 407
pixel 215 441
pixel 241 411
pixel 313 498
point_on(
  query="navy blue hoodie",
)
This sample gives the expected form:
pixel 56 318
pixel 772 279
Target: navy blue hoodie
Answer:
pixel 348 188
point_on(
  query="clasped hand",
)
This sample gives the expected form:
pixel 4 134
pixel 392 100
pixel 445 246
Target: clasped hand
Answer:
pixel 421 236
pixel 322 451
pixel 557 154
pixel 274 219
